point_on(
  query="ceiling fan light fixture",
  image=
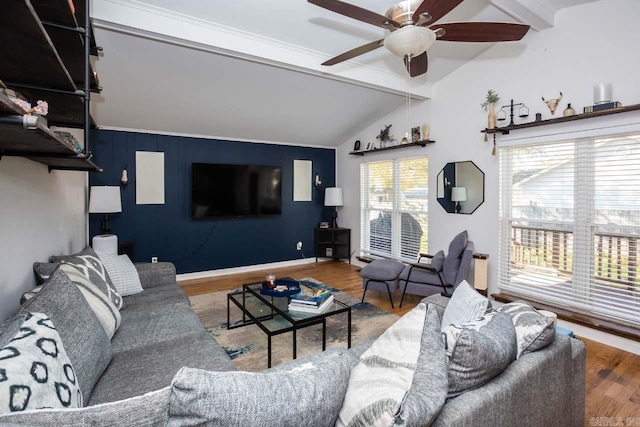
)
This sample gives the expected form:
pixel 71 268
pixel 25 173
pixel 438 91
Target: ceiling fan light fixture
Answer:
pixel 409 41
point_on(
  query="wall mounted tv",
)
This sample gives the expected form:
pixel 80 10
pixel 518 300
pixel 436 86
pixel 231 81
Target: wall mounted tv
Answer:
pixel 220 190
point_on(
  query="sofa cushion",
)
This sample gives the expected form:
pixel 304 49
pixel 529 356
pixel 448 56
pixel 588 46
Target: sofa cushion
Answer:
pixel 30 294
pixel 155 325
pixel 148 410
pixel 465 305
pixel 154 297
pixel 123 274
pixel 387 386
pixel 478 350
pixel 84 338
pixel 35 371
pixel 43 270
pixel 310 396
pixel 144 369
pixel 105 311
pixel 533 330
pixel 89 264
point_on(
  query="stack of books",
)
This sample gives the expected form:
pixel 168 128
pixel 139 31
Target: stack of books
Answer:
pixel 601 107
pixel 311 301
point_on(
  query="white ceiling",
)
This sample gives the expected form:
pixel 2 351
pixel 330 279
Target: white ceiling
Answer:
pixel 250 69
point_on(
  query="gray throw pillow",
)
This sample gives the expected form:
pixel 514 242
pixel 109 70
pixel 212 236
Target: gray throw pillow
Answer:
pixel 478 351
pixel 309 396
pixel 43 270
pixel 534 330
pixel 89 264
pixel 452 260
pixel 465 305
pixel 82 335
pixel 437 261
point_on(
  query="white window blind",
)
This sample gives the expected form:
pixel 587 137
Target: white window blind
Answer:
pixel 570 224
pixel 393 206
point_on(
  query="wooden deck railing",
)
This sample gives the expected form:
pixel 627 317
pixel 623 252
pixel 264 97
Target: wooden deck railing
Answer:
pixel 615 257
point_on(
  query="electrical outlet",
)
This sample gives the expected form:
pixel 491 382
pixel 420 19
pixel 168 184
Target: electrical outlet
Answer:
pixel 299 246
pixel 154 259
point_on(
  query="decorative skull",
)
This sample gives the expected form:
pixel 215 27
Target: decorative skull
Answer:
pixel 552 103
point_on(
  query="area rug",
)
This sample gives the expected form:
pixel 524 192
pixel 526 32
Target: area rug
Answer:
pixel 247 346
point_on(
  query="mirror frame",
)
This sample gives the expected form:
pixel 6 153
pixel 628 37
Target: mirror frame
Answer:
pixel 447 179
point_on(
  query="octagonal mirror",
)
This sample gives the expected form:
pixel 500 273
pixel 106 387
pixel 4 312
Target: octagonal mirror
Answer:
pixel 461 187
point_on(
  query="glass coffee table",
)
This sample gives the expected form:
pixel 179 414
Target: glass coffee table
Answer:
pixel 271 314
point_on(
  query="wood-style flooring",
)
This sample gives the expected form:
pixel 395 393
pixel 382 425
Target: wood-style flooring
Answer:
pixel 613 376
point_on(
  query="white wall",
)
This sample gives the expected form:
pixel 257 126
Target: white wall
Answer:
pixel 41 214
pixel 571 57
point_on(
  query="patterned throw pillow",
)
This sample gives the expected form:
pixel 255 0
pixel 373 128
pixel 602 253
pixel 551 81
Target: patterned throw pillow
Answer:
pixel 309 395
pixel 478 350
pixel 90 265
pixel 465 305
pixel 123 274
pixel 43 270
pixel 35 371
pixel 105 311
pixel 534 331
pixel 382 387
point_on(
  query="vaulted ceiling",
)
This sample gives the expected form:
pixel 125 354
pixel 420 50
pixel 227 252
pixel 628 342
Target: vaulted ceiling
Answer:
pixel 250 69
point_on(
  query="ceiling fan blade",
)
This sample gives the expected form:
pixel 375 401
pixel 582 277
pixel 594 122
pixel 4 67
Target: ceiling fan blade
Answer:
pixel 481 31
pixel 419 65
pixel 436 8
pixel 356 12
pixel 355 52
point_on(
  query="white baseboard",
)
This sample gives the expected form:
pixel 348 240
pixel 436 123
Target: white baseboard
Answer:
pixel 244 269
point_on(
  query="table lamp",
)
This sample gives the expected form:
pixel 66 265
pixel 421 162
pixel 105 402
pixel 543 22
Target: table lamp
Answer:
pixel 105 200
pixel 458 194
pixel 333 198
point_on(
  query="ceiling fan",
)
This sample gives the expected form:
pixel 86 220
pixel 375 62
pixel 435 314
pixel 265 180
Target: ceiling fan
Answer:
pixel 412 29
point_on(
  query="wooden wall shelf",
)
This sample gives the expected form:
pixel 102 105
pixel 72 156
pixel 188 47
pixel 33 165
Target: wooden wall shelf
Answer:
pixel 506 129
pixel 44 57
pixel 395 147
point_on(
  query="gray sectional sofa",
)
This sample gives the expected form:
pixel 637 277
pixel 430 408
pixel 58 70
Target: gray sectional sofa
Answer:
pixel 126 380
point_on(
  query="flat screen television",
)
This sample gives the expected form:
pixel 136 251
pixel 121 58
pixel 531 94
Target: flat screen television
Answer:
pixel 220 190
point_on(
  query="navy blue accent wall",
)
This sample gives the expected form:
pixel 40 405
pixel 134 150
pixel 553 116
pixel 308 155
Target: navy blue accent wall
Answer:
pixel 168 232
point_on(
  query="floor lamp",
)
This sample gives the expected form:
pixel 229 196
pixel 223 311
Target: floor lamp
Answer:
pixel 333 198
pixel 105 200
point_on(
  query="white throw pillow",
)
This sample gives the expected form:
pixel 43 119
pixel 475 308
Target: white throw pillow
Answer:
pixel 35 371
pixel 465 305
pixel 123 274
pixel 381 380
pixel 101 304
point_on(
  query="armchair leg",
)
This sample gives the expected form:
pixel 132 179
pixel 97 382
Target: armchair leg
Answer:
pixel 445 292
pixel 366 285
pixel 389 292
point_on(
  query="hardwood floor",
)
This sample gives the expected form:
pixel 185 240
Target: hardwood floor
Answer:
pixel 613 376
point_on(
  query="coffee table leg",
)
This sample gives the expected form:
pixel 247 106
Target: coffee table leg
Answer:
pixel 228 321
pixel 294 343
pixel 324 334
pixel 349 329
pixel 244 304
pixel 269 351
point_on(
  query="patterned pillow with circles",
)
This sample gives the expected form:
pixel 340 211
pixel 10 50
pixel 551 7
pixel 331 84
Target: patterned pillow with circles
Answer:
pixel 35 371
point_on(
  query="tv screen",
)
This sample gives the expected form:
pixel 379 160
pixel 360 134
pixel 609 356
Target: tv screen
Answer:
pixel 219 190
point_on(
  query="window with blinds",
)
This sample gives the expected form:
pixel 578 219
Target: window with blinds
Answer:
pixel 393 205
pixel 570 224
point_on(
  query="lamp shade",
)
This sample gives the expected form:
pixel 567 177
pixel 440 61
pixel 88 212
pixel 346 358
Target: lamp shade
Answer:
pixel 333 196
pixel 459 194
pixel 410 40
pixel 105 199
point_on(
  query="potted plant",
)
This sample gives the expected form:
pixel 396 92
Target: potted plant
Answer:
pixel 490 101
